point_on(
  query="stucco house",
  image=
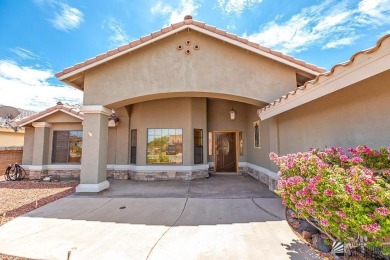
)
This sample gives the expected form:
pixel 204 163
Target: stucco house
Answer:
pixel 191 97
pixel 10 134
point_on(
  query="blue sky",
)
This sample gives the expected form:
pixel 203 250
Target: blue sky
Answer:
pixel 42 37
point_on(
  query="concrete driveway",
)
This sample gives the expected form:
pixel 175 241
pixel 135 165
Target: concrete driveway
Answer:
pixel 223 217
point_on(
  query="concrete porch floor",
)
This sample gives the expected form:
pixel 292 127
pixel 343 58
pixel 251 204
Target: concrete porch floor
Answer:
pixel 223 217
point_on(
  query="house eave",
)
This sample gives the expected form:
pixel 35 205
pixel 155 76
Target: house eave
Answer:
pixel 65 77
pixel 341 76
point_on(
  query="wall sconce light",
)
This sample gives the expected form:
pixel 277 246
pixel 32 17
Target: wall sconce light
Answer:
pixel 232 113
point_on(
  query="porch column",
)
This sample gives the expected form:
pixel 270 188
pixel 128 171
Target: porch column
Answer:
pixel 41 143
pixel 94 156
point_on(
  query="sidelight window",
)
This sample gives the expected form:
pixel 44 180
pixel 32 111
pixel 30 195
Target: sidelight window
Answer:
pixel 198 146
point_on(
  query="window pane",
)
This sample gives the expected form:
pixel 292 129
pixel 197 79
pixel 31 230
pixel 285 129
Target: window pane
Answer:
pixel 165 132
pixel 75 146
pixel 198 138
pixel 198 146
pixel 241 143
pixel 210 143
pixel 133 149
pixel 67 146
pixel 165 146
pixel 256 129
pixel 60 147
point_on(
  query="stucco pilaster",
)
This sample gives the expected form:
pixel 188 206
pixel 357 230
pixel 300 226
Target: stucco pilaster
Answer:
pixel 41 143
pixel 273 140
pixel 94 157
pixel 123 137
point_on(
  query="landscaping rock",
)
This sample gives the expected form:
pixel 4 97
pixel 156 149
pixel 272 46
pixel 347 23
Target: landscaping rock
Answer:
pixel 319 244
pixel 295 224
pixel 306 226
pixel 323 236
pixel 306 235
pixel 48 178
pixel 289 215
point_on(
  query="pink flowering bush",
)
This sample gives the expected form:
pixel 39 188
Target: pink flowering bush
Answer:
pixel 347 193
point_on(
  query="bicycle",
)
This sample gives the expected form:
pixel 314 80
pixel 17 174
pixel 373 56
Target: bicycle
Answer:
pixel 14 172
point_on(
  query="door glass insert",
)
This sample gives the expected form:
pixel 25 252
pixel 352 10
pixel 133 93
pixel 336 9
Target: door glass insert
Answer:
pixel 225 154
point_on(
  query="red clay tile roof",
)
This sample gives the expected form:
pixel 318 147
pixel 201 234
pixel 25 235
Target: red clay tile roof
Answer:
pixel 323 76
pixel 188 21
pixel 70 110
pixel 73 111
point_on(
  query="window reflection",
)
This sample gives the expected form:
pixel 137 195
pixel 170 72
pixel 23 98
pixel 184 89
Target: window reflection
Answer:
pixel 165 146
pixel 67 146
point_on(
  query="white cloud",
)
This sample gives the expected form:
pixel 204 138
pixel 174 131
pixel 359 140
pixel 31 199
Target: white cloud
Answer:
pixel 236 6
pixel 24 53
pixel 331 24
pixel 374 12
pixel 67 17
pixel 118 33
pixel 332 20
pixel 340 42
pixel 161 8
pixel 29 88
pixel 186 7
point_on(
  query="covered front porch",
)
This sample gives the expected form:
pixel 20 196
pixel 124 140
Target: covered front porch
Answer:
pixel 175 138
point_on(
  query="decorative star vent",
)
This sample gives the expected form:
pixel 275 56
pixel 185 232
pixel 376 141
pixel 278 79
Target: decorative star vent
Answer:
pixel 187 46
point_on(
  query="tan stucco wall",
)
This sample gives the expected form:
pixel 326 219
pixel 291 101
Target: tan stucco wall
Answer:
pixel 122 147
pixel 60 117
pixel 95 140
pixel 111 148
pixel 218 119
pixel 41 148
pixel 356 115
pixel 28 145
pixel 217 67
pixel 258 156
pixel 59 122
pixel 8 137
pixel 199 121
pixel 185 113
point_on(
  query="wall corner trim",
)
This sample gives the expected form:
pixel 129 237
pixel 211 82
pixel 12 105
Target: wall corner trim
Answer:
pixel 266 171
pixel 93 187
pixel 96 109
pixel 41 124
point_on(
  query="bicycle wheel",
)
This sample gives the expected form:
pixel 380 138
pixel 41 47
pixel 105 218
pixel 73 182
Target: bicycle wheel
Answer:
pixel 21 173
pixel 6 174
pixel 13 173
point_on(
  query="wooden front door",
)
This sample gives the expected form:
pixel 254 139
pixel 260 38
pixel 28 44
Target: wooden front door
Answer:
pixel 225 159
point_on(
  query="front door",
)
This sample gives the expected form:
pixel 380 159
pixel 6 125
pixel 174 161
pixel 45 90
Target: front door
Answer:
pixel 225 159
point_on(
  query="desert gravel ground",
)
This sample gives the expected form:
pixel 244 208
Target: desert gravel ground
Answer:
pixel 20 197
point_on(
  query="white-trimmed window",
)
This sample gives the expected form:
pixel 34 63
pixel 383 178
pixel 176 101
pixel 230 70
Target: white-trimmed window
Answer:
pixel 67 146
